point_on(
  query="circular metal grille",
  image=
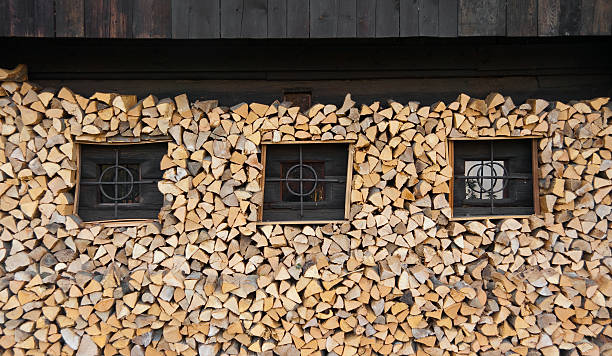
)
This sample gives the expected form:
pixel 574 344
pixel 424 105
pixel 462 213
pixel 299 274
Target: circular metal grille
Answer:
pixel 479 177
pixel 302 167
pixel 114 169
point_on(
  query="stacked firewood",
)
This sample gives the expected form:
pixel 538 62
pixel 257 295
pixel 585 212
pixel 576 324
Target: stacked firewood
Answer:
pixel 400 276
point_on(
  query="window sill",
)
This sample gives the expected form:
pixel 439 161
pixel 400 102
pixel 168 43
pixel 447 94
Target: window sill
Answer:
pixel 119 222
pixel 491 217
pixel 301 222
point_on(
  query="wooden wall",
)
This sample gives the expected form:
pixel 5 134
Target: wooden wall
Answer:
pixel 199 19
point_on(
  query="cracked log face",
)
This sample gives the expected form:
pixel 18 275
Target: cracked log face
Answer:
pixel 398 276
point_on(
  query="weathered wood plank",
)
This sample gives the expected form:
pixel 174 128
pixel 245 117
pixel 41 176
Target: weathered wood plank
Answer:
pixel 69 21
pixel 277 18
pixel 570 17
pixel 195 19
pixel 522 18
pixel 428 18
pixel 181 10
pixel 387 18
pixel 255 21
pixel 587 12
pixel 366 18
pixel 231 18
pixel 548 17
pixel 482 18
pixel 97 19
pixel 347 18
pixel 409 18
pixel 323 18
pixel 21 18
pixel 120 19
pixel 447 18
pixel 44 19
pixel 298 24
pixel 602 21
pixel 152 19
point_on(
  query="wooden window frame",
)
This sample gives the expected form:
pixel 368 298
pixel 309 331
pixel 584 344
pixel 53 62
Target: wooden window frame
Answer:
pixel 109 222
pixel 349 183
pixel 534 169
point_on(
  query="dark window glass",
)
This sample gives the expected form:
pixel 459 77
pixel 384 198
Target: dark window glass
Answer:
pixel 120 181
pixel 493 177
pixel 305 182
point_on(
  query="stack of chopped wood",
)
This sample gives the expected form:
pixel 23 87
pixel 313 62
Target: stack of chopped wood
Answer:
pixel 399 277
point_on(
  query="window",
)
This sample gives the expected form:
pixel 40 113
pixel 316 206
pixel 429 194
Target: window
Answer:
pixel 494 177
pixel 120 181
pixel 305 182
pixel 299 97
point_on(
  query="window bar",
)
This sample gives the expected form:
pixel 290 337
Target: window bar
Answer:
pixel 491 180
pixel 301 184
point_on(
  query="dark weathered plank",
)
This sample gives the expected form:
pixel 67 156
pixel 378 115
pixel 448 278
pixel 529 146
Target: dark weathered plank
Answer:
pixel 44 19
pixel 120 25
pixel 387 18
pixel 21 18
pixel 97 18
pixel 195 19
pixel 447 18
pixel 323 18
pixel 298 22
pixel 152 19
pixel 255 19
pixel 482 18
pixel 366 18
pixel 548 17
pixel 587 12
pixel 69 21
pixel 347 20
pixel 428 18
pixel 602 18
pixel 277 18
pixel 569 17
pixel 522 18
pixel 231 18
pixel 409 18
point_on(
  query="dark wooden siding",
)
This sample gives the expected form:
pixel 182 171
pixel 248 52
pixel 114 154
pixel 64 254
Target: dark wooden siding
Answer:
pixel 200 19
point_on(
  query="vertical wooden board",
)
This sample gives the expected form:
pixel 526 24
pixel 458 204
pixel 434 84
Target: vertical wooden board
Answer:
pixel 231 18
pixel 69 21
pixel 181 11
pixel 120 25
pixel 587 11
pixel 366 18
pixel 569 17
pixel 298 18
pixel 277 18
pixel 323 18
pixel 428 18
pixel 482 18
pixel 4 18
pixel 602 17
pixel 522 18
pixel 152 19
pixel 347 18
pixel 548 17
pixel 21 18
pixel 447 18
pixel 387 18
pixel 409 18
pixel 44 18
pixel 97 18
pixel 255 19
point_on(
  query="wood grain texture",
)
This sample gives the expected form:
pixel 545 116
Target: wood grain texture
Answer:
pixel 602 18
pixel 195 19
pixel 97 18
pixel 387 18
pixel 120 19
pixel 548 17
pixel 482 18
pixel 522 17
pixel 447 18
pixel 323 18
pixel 298 20
pixel 152 19
pixel 409 18
pixel 44 18
pixel 21 17
pixel 347 18
pixel 366 18
pixel 428 17
pixel 232 12
pixel 277 18
pixel 69 18
pixel 570 17
pixel 255 20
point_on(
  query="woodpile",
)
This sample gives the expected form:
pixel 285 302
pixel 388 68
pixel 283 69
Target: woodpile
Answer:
pixel 399 277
